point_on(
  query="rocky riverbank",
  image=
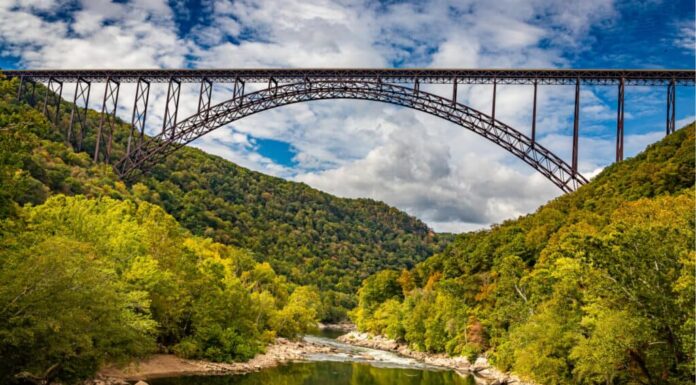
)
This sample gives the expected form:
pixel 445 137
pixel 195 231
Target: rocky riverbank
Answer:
pixel 481 370
pixel 345 327
pixel 168 365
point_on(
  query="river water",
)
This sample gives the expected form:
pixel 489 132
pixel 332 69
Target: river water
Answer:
pixel 350 365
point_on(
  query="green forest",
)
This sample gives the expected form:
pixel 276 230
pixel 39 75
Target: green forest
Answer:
pixel 201 258
pixel 206 259
pixel 596 287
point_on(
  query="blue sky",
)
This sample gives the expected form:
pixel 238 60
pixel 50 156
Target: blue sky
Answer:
pixel 453 180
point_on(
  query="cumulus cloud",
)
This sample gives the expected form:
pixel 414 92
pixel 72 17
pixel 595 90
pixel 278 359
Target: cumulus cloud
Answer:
pixel 416 169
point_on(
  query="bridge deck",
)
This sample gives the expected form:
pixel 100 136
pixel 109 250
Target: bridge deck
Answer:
pixel 389 75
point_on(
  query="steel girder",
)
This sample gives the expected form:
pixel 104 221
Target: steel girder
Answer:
pixel 534 113
pixel 22 88
pixel 671 106
pixel 171 108
pixel 387 75
pixel 576 126
pixel 107 121
pixel 55 92
pixel 206 95
pixel 80 100
pixel 154 150
pixel 142 96
pixel 620 123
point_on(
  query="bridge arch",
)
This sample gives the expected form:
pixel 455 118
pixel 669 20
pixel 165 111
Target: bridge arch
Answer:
pixel 151 151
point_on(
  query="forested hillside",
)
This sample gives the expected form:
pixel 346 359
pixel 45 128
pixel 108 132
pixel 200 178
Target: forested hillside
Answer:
pixel 91 273
pixel 307 235
pixel 596 287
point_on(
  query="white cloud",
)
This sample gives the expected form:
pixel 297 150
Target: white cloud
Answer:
pixel 686 35
pixel 684 121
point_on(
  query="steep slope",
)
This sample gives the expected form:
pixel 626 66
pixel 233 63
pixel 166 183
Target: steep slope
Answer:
pixel 91 273
pixel 597 286
pixel 307 235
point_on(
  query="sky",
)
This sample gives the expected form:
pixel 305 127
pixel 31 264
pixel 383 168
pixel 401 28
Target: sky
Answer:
pixel 439 172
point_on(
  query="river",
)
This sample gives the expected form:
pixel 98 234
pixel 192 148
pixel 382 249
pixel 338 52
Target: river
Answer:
pixel 349 365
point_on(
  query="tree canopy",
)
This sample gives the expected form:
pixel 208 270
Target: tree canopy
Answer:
pixel 596 287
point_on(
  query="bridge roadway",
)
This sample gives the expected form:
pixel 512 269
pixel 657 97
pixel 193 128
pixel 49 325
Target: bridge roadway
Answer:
pixel 648 77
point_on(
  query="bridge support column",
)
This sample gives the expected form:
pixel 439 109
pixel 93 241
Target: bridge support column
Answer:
pixel 142 94
pixel 671 99
pixel 534 112
pixel 54 87
pixel 238 91
pixel 620 123
pixel 32 101
pixel 171 109
pixel 205 95
pixel 20 89
pixel 454 92
pixel 416 87
pixel 495 86
pixel 576 126
pixel 108 116
pixel 81 96
pixel 273 86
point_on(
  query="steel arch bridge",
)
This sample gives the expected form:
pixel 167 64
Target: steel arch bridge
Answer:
pixel 289 86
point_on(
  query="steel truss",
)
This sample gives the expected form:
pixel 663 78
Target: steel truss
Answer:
pixel 107 122
pixel 80 99
pixel 55 92
pixel 286 86
pixel 142 95
pixel 152 151
pixel 171 108
pixel 206 95
pixel 21 89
